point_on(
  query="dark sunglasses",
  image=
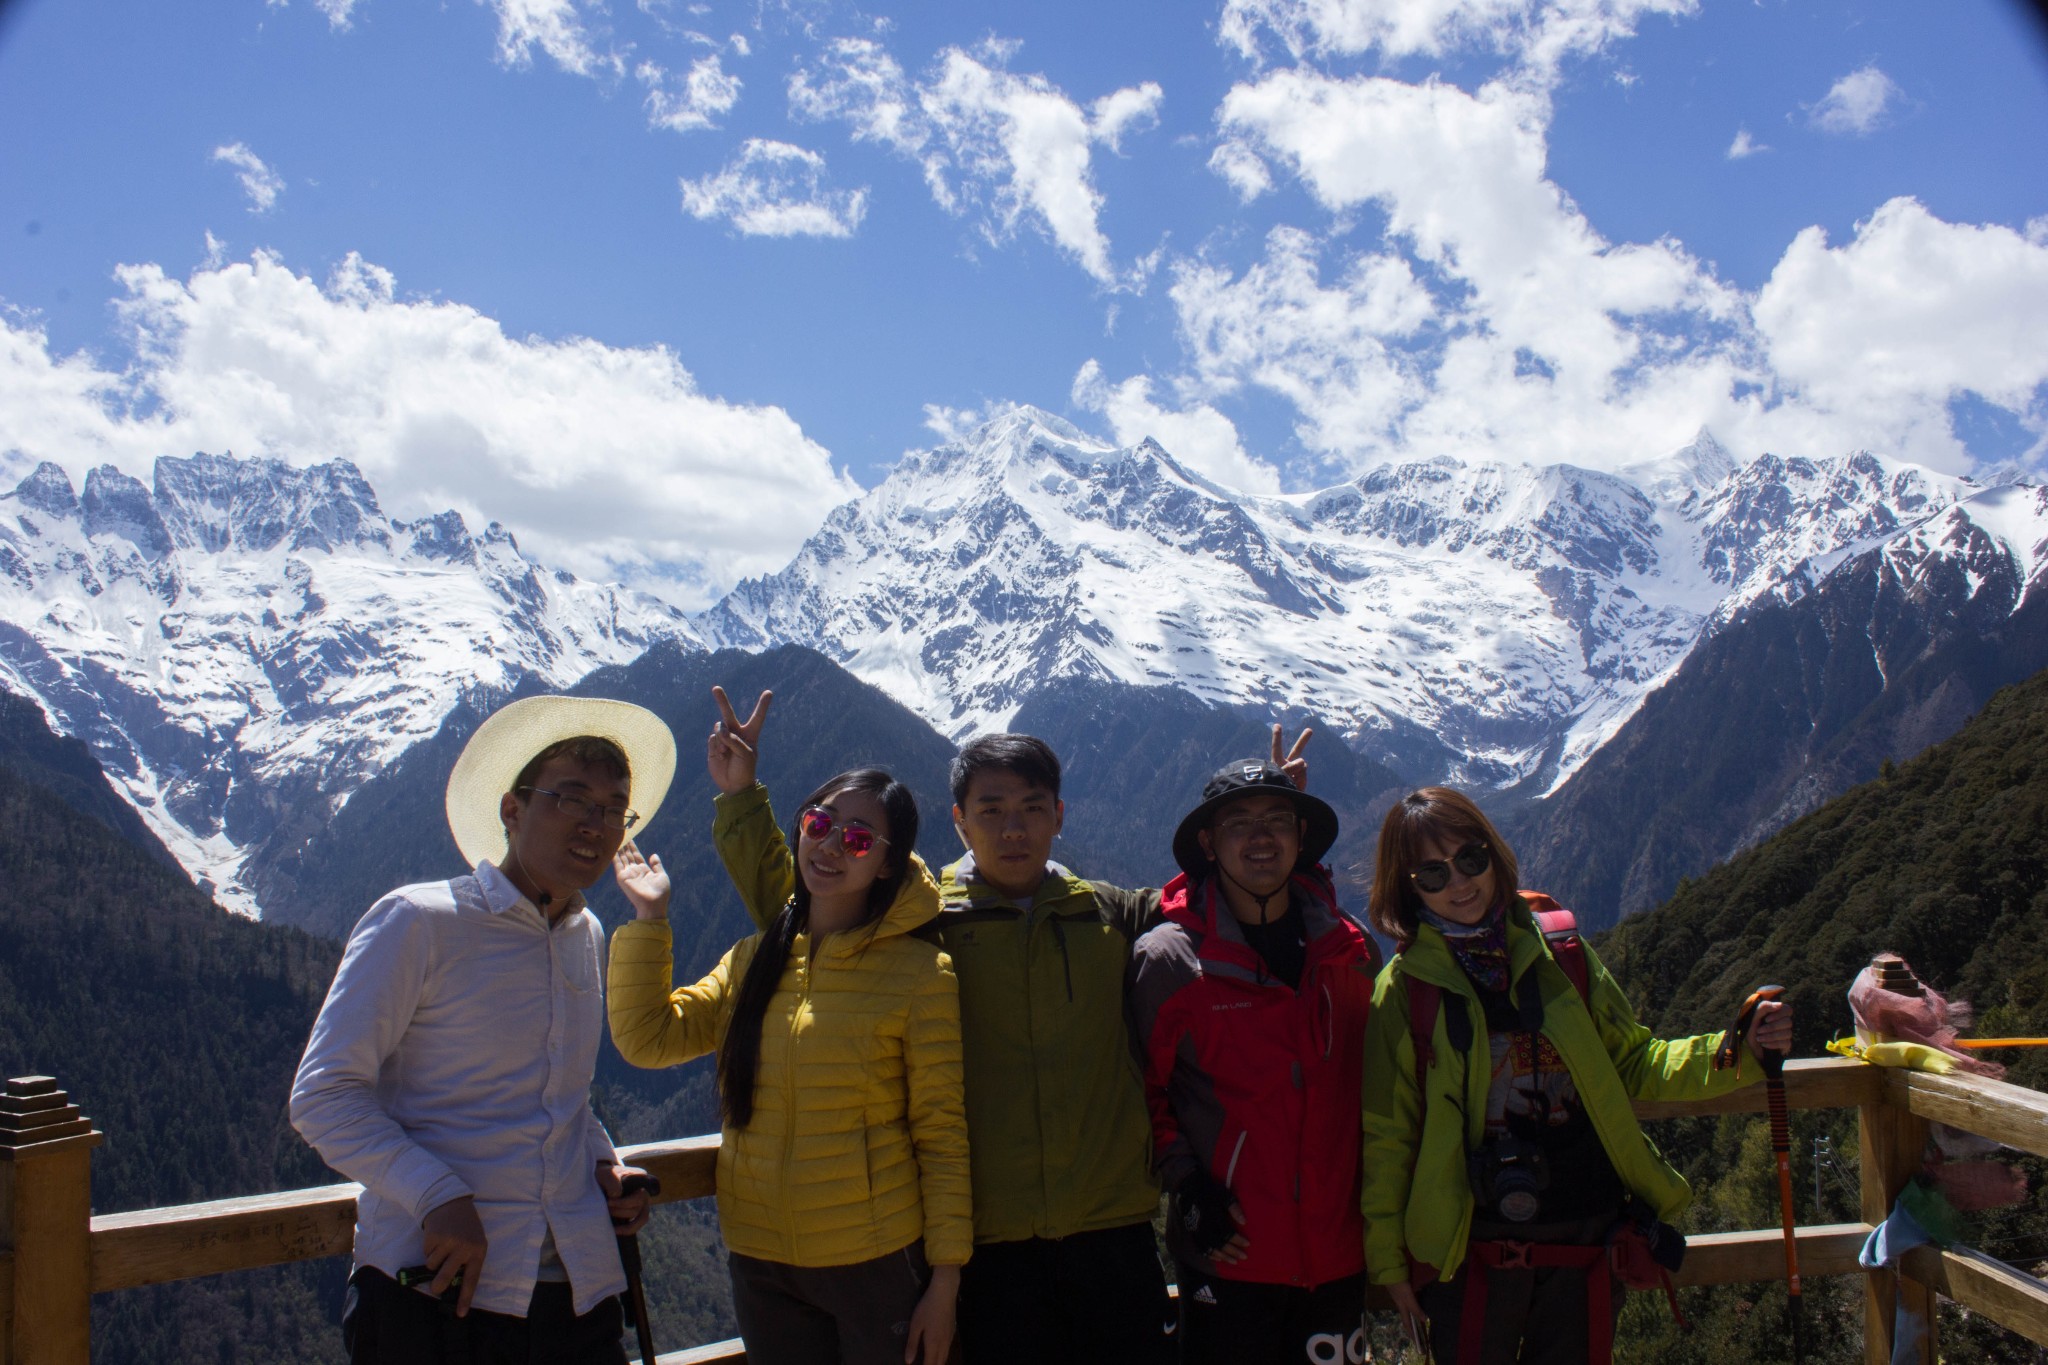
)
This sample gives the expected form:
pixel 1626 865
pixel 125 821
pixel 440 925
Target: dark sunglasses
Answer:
pixel 1433 876
pixel 857 841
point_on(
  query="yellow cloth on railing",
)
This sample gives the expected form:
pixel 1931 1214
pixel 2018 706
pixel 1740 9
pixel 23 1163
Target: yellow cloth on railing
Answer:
pixel 1912 1056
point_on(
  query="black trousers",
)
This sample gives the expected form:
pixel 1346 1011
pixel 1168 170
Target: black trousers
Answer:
pixel 1232 1322
pixel 384 1323
pixel 1096 1298
pixel 855 1314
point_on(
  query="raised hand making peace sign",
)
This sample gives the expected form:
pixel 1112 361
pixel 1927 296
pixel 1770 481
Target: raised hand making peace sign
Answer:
pixel 733 749
pixel 1292 763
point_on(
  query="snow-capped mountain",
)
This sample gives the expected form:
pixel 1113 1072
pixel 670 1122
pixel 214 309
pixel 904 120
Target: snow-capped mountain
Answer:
pixel 1496 620
pixel 244 642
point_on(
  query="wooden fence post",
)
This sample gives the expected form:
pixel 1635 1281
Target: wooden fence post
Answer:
pixel 1892 1144
pixel 46 1223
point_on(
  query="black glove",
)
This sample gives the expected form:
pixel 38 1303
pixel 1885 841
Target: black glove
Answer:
pixel 1204 1210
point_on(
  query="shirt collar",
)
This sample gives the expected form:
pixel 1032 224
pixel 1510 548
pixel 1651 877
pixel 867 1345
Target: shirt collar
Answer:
pixel 501 896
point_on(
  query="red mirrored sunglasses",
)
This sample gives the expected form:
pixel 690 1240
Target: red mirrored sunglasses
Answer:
pixel 856 840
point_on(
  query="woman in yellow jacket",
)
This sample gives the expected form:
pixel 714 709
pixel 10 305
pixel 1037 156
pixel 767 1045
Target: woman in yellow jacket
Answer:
pixel 842 1167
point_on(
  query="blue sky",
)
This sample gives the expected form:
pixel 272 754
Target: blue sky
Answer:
pixel 658 283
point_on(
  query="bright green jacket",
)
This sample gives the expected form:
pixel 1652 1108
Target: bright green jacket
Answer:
pixel 1416 1196
pixel 1056 1119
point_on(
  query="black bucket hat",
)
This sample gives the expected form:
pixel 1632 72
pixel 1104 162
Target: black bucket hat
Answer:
pixel 1252 777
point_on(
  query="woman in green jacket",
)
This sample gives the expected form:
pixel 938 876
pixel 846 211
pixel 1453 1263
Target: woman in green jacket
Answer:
pixel 1498 1169
pixel 843 1191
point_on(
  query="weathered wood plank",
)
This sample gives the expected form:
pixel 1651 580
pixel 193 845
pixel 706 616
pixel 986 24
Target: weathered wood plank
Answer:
pixel 152 1246
pixel 2005 1113
pixel 732 1352
pixel 1810 1083
pixel 2008 1296
pixel 1734 1257
pixel 686 1167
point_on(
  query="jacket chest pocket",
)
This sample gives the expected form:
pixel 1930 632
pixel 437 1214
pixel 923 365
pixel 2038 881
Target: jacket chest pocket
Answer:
pixel 1081 960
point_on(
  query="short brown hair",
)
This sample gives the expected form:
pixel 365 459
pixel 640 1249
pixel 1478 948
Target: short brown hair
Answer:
pixel 590 749
pixel 1433 814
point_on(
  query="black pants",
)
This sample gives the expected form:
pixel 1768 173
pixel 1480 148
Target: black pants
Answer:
pixel 855 1314
pixel 1232 1322
pixel 383 1323
pixel 1096 1298
pixel 1533 1317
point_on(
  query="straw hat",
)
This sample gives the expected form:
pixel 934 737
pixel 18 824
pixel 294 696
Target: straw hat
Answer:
pixel 513 734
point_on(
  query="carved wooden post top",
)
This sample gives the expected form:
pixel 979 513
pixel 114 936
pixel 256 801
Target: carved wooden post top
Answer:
pixel 38 1119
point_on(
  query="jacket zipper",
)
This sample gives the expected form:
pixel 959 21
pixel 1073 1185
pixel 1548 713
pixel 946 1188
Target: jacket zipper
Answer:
pixel 1059 936
pixel 805 962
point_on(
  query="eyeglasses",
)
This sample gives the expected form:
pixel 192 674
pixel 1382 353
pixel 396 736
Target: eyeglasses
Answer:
pixel 856 840
pixel 1277 823
pixel 1433 876
pixel 581 808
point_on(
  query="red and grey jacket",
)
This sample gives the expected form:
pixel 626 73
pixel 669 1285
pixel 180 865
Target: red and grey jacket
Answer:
pixel 1257 1081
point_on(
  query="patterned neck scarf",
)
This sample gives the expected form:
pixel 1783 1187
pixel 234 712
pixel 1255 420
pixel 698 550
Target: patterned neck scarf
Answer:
pixel 1481 949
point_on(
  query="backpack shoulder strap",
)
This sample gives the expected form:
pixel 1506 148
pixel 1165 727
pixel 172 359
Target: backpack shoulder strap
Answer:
pixel 1425 998
pixel 1560 929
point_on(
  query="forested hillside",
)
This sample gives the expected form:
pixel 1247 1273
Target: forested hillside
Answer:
pixel 1943 860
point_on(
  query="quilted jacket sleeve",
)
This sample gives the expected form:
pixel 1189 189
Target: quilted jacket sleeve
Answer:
pixel 938 1115
pixel 755 854
pixel 655 1026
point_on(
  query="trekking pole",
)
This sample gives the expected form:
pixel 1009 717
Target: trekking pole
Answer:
pixel 1781 1148
pixel 629 1257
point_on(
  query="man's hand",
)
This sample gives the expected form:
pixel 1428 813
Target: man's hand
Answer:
pixel 1292 763
pixel 1413 1321
pixel 629 1212
pixel 643 880
pixel 734 747
pixel 931 1323
pixel 1211 1218
pixel 455 1245
pixel 1770 1030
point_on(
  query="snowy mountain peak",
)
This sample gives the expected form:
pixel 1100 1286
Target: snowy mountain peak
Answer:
pixel 1699 465
pixel 243 643
pixel 213 503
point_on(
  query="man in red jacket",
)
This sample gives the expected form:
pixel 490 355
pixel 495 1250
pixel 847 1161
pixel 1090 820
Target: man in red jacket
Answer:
pixel 1251 1002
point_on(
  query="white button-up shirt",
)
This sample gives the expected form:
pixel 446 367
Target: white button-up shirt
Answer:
pixel 454 1057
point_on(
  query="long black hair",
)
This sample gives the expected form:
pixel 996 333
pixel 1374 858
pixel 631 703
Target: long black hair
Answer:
pixel 739 1057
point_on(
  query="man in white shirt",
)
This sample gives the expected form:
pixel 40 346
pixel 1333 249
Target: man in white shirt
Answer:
pixel 449 1070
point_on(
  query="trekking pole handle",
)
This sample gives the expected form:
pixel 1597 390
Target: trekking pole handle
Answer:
pixel 1773 1061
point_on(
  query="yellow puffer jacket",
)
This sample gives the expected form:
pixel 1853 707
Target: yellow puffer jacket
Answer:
pixel 858 1144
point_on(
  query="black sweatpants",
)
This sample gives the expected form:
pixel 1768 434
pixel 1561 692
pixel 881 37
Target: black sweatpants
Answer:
pixel 855 1314
pixel 1232 1322
pixel 1096 1298
pixel 384 1323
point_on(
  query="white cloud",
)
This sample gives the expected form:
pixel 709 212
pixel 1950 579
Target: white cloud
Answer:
pixel 706 92
pixel 554 27
pixel 1744 146
pixel 606 460
pixel 1199 437
pixel 1461 180
pixel 1014 146
pixel 1857 103
pixel 1244 168
pixel 1325 350
pixel 954 425
pixel 1537 34
pixel 337 11
pixel 1882 333
pixel 774 189
pixel 259 182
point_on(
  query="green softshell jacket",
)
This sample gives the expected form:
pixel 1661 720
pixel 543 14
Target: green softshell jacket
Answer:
pixel 1056 1115
pixel 1416 1197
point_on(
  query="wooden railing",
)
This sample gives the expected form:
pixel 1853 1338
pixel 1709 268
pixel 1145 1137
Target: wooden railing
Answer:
pixel 54 1256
